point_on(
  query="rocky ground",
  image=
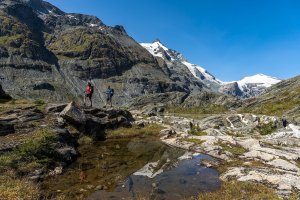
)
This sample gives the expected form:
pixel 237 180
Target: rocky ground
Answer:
pixel 38 141
pixel 247 147
pixel 255 148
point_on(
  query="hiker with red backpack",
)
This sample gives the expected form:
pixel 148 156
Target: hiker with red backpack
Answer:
pixel 88 93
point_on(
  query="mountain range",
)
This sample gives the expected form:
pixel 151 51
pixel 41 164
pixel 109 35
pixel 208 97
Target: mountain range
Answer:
pixel 50 55
pixel 246 87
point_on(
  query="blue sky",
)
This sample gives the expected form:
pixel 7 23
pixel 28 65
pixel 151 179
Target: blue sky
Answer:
pixel 230 38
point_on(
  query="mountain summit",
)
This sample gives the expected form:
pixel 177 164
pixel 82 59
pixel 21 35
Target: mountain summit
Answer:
pixel 249 86
pixel 246 87
pixel 157 49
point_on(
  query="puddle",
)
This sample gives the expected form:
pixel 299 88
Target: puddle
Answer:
pixel 134 169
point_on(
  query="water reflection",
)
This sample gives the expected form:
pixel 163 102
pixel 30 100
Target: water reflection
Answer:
pixel 133 168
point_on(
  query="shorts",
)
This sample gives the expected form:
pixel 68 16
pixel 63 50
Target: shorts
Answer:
pixel 108 98
pixel 88 95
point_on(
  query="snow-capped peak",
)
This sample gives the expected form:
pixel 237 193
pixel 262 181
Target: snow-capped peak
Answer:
pixel 157 49
pixel 254 85
pixel 261 79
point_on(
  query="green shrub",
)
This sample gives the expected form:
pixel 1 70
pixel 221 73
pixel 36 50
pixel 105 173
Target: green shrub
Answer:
pixel 195 130
pixel 266 129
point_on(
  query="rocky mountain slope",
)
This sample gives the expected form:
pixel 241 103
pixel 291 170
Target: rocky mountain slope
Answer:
pixel 244 88
pixel 249 86
pixel 50 55
pixel 280 99
pixel 176 61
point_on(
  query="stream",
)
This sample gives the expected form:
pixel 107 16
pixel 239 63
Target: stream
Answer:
pixel 136 168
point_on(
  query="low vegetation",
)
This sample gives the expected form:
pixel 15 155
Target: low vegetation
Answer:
pixel 152 129
pixel 282 102
pixel 33 154
pixel 210 109
pixel 224 166
pixel 195 130
pixel 234 149
pixel 266 129
pixel 13 188
pixel 85 140
pixel 193 140
pixel 240 190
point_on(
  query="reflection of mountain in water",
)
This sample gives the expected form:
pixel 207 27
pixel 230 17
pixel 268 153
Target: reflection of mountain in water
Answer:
pixel 167 178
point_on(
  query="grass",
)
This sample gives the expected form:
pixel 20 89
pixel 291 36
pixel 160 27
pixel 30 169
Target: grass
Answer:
pixel 85 140
pixel 210 109
pixel 283 101
pixel 294 196
pixel 240 190
pixel 31 155
pixel 195 130
pixel 193 140
pixel 152 129
pixel 234 149
pixel 266 129
pixel 12 188
pixel 6 40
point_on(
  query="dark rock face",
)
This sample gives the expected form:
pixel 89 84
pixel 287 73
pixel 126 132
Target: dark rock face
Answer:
pixel 3 95
pixel 48 54
pixel 94 121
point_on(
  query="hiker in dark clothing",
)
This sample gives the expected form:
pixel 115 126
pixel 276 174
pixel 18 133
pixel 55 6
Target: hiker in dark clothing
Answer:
pixel 88 93
pixel 109 94
pixel 284 122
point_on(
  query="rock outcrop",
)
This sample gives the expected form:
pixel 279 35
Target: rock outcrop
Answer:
pixel 252 148
pixel 94 121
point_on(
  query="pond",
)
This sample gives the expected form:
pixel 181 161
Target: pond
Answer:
pixel 137 168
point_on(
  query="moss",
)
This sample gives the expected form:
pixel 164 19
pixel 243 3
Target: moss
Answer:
pixel 152 129
pixel 195 130
pixel 210 109
pixel 240 190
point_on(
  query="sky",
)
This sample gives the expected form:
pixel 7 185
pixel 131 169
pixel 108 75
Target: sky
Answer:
pixel 230 38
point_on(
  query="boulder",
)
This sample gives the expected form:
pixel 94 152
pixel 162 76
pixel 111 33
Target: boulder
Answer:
pixel 94 121
pixel 54 108
pixel 74 115
pixel 6 128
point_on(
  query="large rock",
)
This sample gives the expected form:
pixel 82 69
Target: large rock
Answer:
pixel 19 120
pixel 54 108
pixel 74 115
pixel 94 121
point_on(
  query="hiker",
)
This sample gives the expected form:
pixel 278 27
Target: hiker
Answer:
pixel 109 94
pixel 88 93
pixel 284 122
